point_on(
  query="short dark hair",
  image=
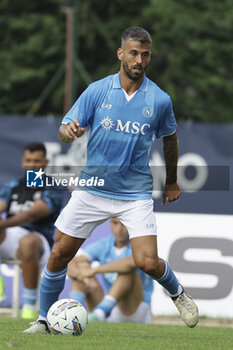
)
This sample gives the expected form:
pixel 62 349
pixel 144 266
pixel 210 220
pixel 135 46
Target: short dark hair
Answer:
pixel 35 146
pixel 136 33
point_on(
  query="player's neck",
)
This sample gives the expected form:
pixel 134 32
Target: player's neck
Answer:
pixel 129 85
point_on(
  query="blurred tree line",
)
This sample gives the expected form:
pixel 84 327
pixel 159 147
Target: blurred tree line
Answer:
pixel 192 51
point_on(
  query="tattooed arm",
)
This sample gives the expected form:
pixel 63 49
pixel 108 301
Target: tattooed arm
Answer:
pixel 171 191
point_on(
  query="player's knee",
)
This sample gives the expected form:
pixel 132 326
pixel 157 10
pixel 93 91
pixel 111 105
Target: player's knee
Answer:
pixel 58 257
pixel 149 265
pixel 55 256
pixel 30 246
pixel 2 236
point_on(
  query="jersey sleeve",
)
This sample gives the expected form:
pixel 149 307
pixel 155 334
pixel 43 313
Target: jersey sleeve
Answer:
pixel 82 110
pixel 53 200
pixel 167 122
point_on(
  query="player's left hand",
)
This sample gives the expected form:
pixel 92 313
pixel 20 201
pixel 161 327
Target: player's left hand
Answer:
pixel 171 192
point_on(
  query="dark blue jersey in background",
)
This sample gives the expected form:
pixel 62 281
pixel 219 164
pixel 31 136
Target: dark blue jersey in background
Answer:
pixel 19 198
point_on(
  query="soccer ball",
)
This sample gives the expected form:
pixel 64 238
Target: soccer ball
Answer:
pixel 67 317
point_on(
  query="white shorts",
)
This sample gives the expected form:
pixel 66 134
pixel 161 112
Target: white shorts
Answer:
pixel 10 245
pixel 86 211
pixel 142 315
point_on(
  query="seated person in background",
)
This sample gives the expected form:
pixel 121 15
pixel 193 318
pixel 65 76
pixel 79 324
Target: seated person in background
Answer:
pixel 27 232
pixel 128 288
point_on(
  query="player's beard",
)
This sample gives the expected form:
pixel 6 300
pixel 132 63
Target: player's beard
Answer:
pixel 130 74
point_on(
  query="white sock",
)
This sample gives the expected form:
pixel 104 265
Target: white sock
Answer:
pixel 105 306
pixel 42 318
pixel 101 315
pixel 29 306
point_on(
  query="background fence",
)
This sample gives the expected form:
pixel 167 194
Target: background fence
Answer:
pixel 195 233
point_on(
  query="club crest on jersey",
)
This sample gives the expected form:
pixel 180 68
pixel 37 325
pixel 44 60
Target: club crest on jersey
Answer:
pixel 147 112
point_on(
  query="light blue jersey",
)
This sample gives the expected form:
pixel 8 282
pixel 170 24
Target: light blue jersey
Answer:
pixel 105 252
pixel 122 133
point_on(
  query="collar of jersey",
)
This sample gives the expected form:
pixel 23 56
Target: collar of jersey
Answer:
pixel 117 83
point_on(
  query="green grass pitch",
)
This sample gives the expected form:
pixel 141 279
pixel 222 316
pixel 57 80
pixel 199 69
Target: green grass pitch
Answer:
pixel 122 336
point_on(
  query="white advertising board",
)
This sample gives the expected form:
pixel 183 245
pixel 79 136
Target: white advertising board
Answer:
pixel 199 248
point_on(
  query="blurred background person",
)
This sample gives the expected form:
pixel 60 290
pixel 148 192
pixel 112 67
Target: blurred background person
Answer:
pixel 27 232
pixel 128 289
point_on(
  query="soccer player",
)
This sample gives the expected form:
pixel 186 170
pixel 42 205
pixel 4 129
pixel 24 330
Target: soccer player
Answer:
pixel 128 289
pixel 124 111
pixel 27 232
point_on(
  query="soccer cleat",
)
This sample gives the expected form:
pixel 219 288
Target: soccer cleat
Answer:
pixel 2 290
pixel 28 313
pixel 93 317
pixel 38 327
pixel 187 308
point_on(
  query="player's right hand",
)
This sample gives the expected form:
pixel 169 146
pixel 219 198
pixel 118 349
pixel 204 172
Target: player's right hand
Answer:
pixel 73 130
